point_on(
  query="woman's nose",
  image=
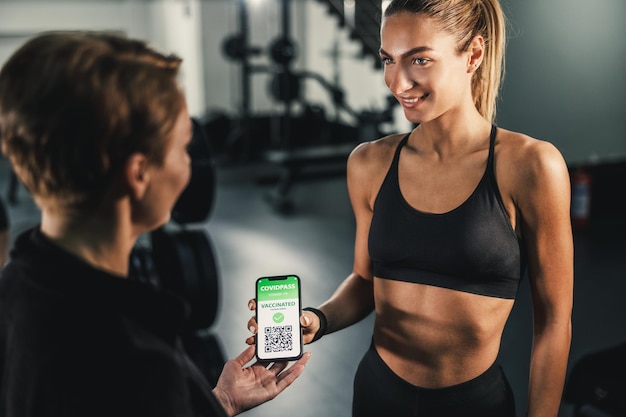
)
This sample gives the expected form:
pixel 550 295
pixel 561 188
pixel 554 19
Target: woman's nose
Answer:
pixel 399 79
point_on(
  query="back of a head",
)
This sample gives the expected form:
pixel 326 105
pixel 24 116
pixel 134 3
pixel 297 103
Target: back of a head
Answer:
pixel 465 19
pixel 75 105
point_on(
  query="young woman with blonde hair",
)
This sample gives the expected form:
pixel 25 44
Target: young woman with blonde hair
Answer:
pixel 449 218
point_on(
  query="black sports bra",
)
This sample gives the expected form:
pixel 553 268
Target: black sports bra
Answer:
pixel 472 248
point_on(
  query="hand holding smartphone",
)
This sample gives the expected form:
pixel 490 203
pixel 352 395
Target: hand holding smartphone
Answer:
pixel 278 308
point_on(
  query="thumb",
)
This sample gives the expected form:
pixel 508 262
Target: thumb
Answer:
pixel 245 356
pixel 305 320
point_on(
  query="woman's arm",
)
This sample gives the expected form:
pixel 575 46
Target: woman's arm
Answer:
pixel 352 301
pixel 544 204
pixel 354 298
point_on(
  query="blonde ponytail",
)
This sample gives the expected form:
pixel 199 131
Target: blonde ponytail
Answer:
pixel 488 79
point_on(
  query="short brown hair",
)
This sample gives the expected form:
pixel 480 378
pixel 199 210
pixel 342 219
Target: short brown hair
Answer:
pixel 75 105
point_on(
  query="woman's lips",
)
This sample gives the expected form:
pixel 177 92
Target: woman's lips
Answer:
pixel 411 102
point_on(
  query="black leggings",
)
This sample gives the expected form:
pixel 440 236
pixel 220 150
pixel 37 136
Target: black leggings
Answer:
pixel 379 392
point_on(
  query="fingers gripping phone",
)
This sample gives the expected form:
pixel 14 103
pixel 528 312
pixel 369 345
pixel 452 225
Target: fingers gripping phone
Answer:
pixel 279 335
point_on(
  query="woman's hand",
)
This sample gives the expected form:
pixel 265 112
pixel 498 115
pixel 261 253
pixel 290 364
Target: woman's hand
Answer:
pixel 309 321
pixel 240 387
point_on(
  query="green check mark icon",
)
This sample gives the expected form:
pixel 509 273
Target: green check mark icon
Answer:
pixel 278 317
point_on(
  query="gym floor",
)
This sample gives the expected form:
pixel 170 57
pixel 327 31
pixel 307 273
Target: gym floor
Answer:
pixel 251 239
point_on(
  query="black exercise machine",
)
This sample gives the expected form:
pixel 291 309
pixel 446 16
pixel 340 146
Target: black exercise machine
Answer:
pixel 306 139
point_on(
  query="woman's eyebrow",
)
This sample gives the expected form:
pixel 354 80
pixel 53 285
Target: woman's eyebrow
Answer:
pixel 410 52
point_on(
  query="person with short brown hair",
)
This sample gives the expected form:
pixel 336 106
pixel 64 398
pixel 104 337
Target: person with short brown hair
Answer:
pixel 96 127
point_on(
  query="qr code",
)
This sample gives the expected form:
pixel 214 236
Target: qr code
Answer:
pixel 278 339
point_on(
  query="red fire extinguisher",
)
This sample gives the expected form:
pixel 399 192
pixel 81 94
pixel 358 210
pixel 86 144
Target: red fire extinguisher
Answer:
pixel 581 198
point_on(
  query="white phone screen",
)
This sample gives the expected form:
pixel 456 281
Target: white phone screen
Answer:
pixel 279 334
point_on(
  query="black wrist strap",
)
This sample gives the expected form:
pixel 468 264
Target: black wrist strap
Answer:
pixel 323 323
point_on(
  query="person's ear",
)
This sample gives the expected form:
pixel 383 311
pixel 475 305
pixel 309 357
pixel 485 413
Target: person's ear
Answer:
pixel 137 175
pixel 476 53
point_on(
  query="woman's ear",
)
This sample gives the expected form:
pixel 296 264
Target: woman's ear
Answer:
pixel 476 53
pixel 137 175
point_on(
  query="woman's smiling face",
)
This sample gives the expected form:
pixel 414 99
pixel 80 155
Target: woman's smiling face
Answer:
pixel 423 68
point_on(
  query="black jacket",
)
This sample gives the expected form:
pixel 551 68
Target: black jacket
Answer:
pixel 77 341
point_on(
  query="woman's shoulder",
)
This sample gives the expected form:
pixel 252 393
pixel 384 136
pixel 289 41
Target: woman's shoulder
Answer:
pixel 525 152
pixel 524 162
pixel 368 164
pixel 375 153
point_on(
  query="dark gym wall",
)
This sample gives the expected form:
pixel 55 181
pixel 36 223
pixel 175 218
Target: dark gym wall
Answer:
pixel 565 63
pixel 565 78
pixel 563 84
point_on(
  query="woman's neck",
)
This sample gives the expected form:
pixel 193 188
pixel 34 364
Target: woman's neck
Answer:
pixel 452 134
pixel 101 240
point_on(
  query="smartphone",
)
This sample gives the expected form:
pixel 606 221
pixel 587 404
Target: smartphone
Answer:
pixel 278 305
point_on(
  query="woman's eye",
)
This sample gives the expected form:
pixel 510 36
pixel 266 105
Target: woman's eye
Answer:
pixel 420 61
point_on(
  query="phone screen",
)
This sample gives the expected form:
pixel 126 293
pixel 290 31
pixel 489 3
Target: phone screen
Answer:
pixel 278 317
